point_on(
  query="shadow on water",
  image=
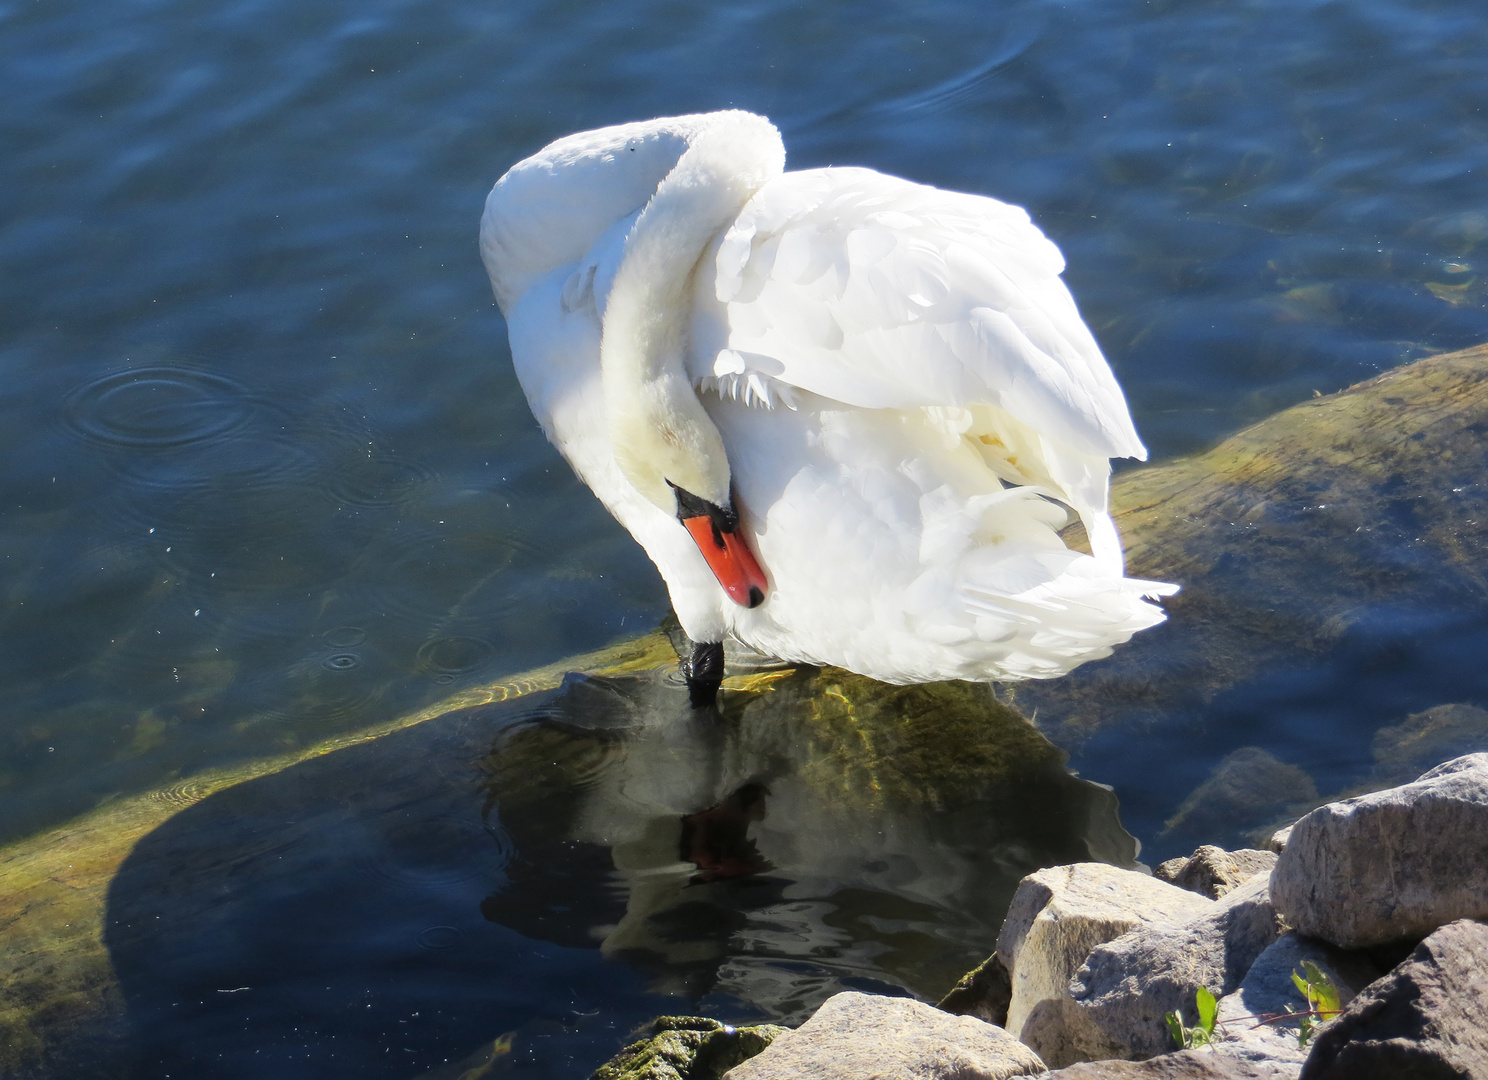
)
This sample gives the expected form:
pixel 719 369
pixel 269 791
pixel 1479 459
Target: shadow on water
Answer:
pixel 567 865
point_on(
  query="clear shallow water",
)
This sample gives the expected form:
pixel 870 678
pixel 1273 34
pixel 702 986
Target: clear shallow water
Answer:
pixel 268 475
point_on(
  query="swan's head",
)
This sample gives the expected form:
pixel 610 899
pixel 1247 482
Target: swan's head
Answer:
pixel 671 453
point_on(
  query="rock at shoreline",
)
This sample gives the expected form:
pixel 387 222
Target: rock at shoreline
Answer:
pixel 688 1048
pixel 1424 1020
pixel 1057 917
pixel 1212 871
pixel 855 1036
pixel 1268 990
pixel 1182 1065
pixel 1128 985
pixel 1391 865
pixel 984 992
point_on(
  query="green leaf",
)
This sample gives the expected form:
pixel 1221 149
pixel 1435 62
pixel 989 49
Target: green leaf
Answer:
pixel 1175 1028
pixel 1208 1008
pixel 1324 997
pixel 1302 988
pixel 1304 1030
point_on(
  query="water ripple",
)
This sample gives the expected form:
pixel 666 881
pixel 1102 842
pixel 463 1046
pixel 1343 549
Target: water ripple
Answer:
pixel 379 480
pixel 161 406
pixel 439 854
pixel 453 655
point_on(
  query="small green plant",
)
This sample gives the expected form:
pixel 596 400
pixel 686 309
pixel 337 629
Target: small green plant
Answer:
pixel 1321 997
pixel 1317 991
pixel 1188 1038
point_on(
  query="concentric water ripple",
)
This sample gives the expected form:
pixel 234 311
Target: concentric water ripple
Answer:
pixel 320 693
pixel 378 480
pixel 344 637
pixel 158 406
pixel 436 938
pixel 453 655
pixel 439 853
pixel 260 454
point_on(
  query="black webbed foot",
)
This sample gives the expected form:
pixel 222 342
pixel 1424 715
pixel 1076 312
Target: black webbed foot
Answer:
pixel 703 671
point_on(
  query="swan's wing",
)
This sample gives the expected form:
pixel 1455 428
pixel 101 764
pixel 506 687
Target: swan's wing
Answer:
pixel 882 293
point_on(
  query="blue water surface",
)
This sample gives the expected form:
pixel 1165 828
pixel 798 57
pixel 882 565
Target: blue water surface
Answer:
pixel 267 473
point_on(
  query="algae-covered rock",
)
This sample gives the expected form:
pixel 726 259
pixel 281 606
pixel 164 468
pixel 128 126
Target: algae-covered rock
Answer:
pixel 983 992
pixel 1422 740
pixel 61 1008
pixel 1332 525
pixel 687 1048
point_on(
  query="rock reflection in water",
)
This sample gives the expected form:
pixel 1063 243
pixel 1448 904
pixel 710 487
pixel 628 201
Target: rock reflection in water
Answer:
pixel 822 830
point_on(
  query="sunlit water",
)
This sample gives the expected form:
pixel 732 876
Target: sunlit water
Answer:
pixel 268 476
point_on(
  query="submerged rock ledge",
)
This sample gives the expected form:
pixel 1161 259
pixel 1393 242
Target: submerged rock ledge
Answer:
pixel 1286 537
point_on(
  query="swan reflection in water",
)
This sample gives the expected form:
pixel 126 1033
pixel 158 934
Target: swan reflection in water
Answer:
pixel 819 831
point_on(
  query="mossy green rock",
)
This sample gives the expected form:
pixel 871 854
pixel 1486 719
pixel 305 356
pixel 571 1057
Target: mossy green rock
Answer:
pixel 1335 516
pixel 687 1048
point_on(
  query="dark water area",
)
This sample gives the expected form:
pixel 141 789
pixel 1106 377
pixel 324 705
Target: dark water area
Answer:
pixel 269 477
pixel 563 867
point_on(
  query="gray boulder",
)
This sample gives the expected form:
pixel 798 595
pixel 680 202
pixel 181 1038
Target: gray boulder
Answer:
pixel 1212 871
pixel 1391 865
pixel 1182 1065
pixel 1268 990
pixel 1127 986
pixel 855 1036
pixel 1424 1020
pixel 1057 916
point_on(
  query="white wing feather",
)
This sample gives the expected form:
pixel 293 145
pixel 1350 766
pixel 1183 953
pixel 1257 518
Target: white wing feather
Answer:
pixel 882 293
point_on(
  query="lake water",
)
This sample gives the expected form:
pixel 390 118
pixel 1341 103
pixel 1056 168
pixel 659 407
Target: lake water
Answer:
pixel 268 476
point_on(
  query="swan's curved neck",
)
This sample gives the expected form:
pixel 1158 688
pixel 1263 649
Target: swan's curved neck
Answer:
pixel 659 432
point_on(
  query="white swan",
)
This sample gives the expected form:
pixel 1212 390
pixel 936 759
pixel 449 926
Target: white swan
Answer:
pixel 880 389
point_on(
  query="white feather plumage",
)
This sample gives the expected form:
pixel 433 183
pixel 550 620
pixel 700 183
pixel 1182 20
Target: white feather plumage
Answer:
pixel 899 377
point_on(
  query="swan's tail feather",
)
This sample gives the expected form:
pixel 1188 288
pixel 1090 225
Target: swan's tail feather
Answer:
pixel 1026 605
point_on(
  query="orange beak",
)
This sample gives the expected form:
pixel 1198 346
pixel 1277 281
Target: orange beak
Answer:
pixel 730 559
